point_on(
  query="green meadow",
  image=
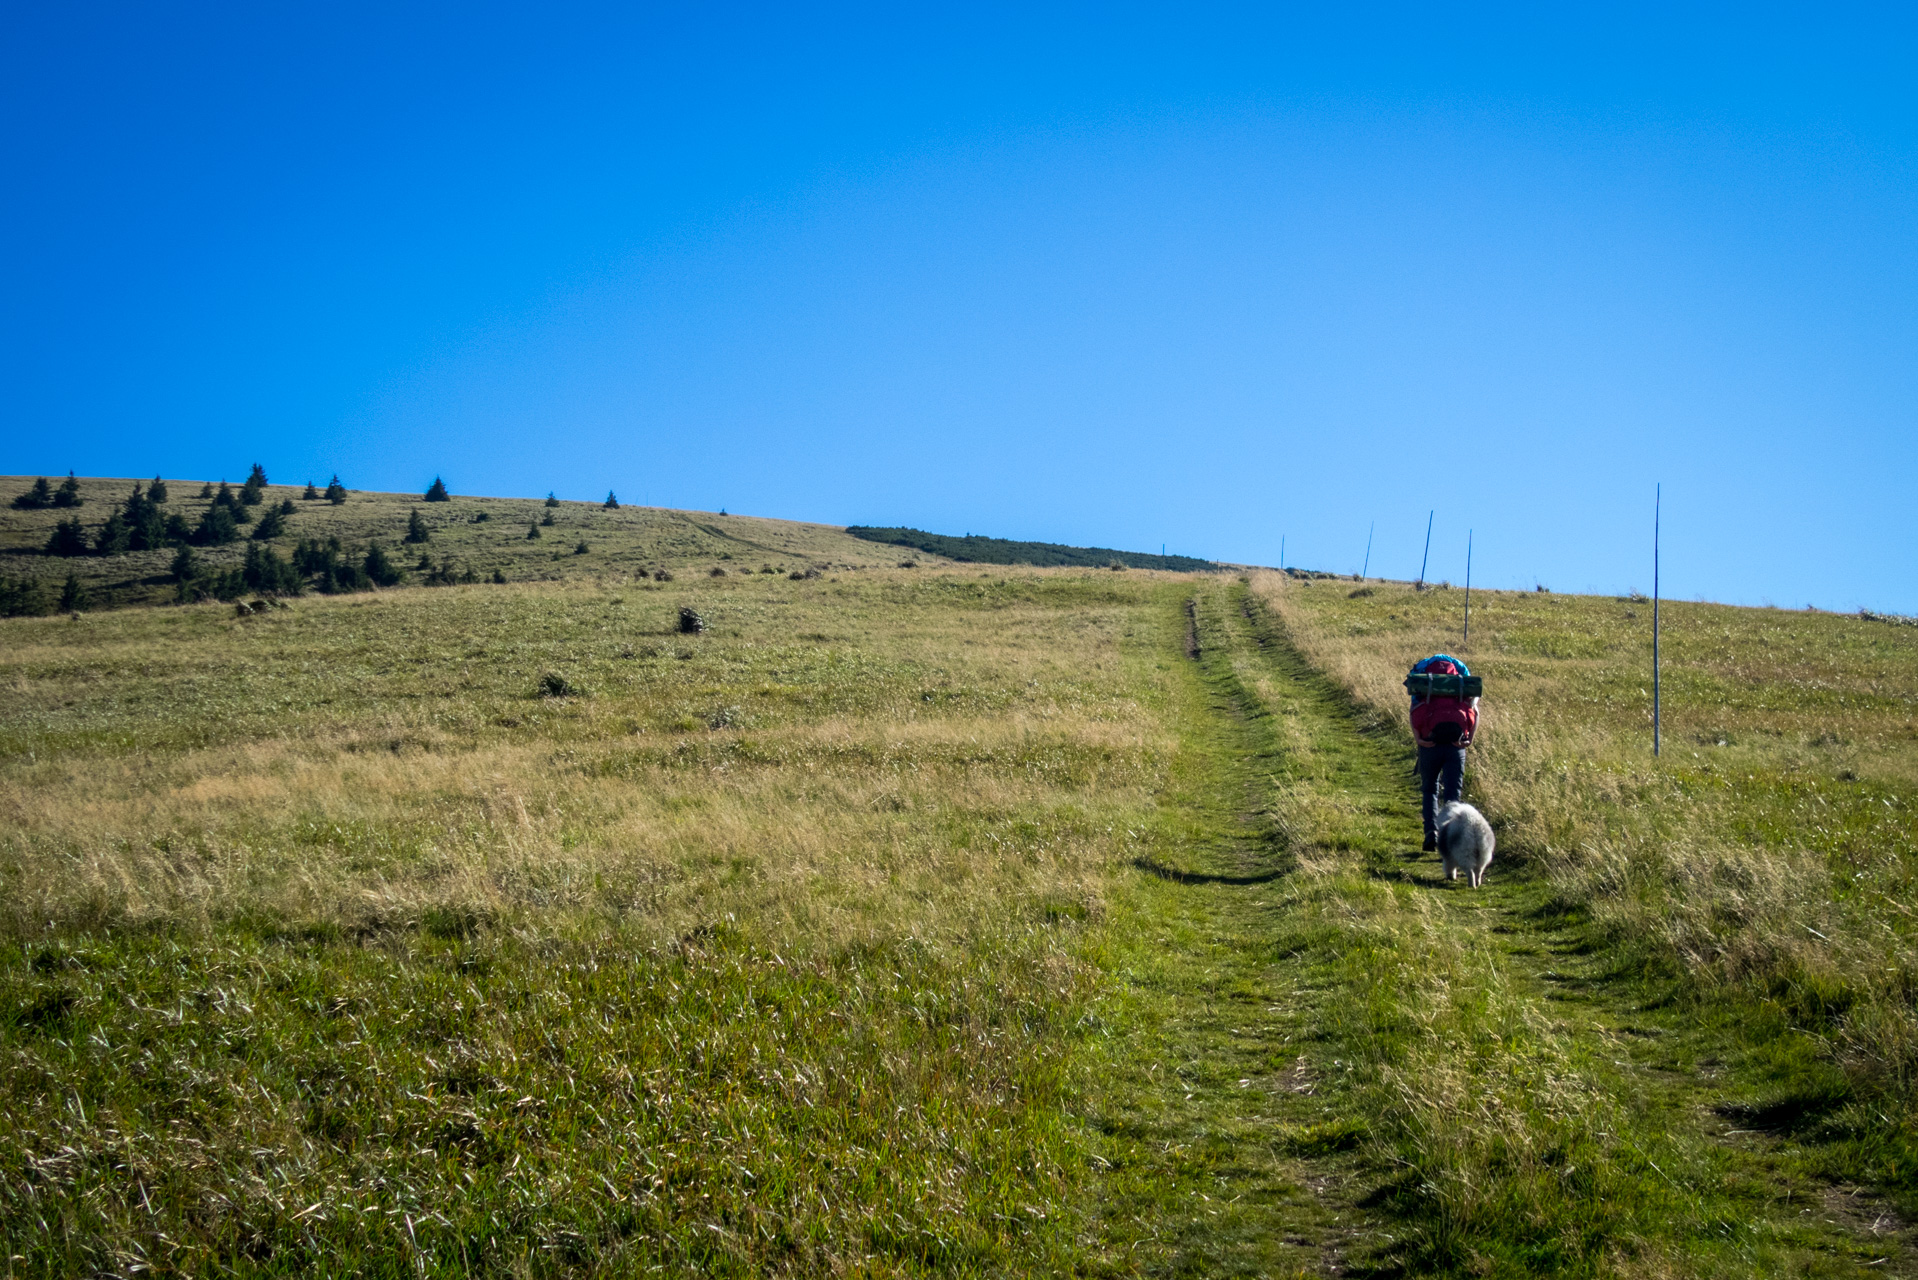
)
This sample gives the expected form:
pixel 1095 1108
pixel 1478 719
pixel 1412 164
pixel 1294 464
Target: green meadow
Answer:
pixel 941 920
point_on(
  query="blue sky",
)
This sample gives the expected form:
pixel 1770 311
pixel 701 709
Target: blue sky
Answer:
pixel 1200 277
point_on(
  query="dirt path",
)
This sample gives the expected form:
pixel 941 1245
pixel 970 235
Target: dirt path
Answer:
pixel 1325 1060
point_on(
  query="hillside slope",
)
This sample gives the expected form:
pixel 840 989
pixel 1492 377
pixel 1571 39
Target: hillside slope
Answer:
pixel 480 535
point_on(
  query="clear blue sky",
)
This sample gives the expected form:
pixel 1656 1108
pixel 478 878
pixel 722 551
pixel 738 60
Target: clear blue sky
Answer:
pixel 1195 276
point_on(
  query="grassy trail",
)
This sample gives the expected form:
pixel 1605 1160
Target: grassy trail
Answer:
pixel 1337 1063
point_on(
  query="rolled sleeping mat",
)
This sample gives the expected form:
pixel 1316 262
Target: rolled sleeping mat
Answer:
pixel 1423 684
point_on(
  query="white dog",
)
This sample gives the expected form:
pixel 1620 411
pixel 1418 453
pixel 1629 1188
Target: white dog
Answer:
pixel 1464 841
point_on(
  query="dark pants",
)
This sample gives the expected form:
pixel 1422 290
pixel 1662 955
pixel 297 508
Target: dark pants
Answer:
pixel 1441 772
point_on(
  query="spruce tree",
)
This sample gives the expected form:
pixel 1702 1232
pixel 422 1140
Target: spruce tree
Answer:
pixel 156 492
pixel 217 526
pixel 612 501
pixel 552 500
pixel 186 565
pixel 114 539
pixel 271 525
pixel 532 531
pixel 38 497
pixel 416 530
pixel 438 492
pixel 68 539
pixel 582 548
pixel 311 494
pixel 206 488
pixel 381 569
pixel 73 596
pixel 255 487
pixel 177 531
pixel 335 491
pixel 548 520
pixel 68 494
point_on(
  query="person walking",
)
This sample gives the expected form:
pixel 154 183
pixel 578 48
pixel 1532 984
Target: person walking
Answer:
pixel 1443 725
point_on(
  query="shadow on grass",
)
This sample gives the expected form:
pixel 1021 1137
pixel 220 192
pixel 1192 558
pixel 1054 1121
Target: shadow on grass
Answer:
pixel 1154 868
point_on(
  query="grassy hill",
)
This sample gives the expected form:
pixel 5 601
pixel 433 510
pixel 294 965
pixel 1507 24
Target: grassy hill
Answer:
pixel 483 536
pixel 946 920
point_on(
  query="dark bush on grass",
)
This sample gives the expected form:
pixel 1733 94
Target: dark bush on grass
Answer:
pixel 662 575
pixel 416 530
pixel 499 577
pixel 555 685
pixel 582 548
pixel 1360 593
pixel 691 622
pixel 37 498
pixel 715 572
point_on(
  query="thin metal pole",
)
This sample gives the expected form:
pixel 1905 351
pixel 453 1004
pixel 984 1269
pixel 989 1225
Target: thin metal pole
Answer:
pixel 1281 551
pixel 1427 557
pixel 1468 591
pixel 1657 502
pixel 1367 567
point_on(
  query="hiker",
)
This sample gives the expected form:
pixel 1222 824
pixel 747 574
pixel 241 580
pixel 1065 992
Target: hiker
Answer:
pixel 1442 723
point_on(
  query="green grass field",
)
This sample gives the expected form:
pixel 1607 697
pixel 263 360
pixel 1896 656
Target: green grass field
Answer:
pixel 942 921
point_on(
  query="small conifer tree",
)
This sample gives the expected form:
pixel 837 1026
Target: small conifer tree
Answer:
pixel 380 568
pixel 582 548
pixel 271 525
pixel 73 596
pixel 257 476
pixel 177 530
pixel 287 508
pixel 38 497
pixel 68 494
pixel 156 492
pixel 416 530
pixel 532 531
pixel 255 487
pixel 612 501
pixel 217 527
pixel 311 495
pixel 206 489
pixel 68 539
pixel 186 565
pixel 552 500
pixel 336 492
pixel 499 577
pixel 548 520
pixel 438 492
pixel 114 538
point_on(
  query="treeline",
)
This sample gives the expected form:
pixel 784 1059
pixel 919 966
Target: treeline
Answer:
pixel 144 523
pixel 976 549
